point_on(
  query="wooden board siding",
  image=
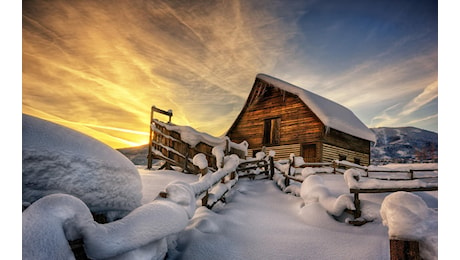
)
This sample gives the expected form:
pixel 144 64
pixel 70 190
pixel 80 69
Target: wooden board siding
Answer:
pixel 281 151
pixel 298 127
pixel 347 141
pixel 298 123
pixel 331 152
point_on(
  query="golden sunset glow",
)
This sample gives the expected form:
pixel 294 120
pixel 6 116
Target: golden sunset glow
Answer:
pixel 98 66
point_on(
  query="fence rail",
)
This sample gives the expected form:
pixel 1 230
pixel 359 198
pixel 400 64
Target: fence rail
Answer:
pixel 177 145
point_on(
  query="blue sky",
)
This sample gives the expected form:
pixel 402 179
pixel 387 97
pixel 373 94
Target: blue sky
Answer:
pixel 98 67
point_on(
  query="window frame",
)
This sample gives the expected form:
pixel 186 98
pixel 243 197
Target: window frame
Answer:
pixel 272 131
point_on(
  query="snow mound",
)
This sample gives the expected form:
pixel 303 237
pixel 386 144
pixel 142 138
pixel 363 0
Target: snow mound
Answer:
pixel 404 213
pixel 313 190
pixel 56 159
pixel 409 218
pixel 49 223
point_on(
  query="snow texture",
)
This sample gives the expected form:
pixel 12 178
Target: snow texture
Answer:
pixel 275 225
pixel 409 218
pixel 49 222
pixel 142 234
pixel 208 180
pixel 313 190
pixel 218 152
pixel 56 159
pixel 200 161
pixel 331 114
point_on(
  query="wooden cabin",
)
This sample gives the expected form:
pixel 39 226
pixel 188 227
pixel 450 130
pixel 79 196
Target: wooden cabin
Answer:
pixel 288 119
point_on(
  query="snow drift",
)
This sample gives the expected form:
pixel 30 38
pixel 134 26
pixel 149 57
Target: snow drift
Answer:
pixel 56 159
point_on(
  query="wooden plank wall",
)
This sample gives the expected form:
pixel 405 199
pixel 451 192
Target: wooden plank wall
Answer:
pixel 331 153
pixel 298 123
pixel 282 151
pixel 170 145
pixel 347 141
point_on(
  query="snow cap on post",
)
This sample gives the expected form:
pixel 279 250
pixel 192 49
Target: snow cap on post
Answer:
pixel 200 161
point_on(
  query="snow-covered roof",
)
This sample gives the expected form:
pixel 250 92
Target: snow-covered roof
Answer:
pixel 331 114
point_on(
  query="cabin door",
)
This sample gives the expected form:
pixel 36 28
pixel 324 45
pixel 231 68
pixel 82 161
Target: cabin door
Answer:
pixel 309 152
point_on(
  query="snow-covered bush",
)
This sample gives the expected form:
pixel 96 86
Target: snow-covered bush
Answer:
pixel 56 159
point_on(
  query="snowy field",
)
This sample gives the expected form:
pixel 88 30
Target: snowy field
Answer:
pixel 66 176
pixel 259 221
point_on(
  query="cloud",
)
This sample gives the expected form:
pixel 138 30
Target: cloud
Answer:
pixel 428 94
pixel 94 63
pixel 408 113
pixel 107 64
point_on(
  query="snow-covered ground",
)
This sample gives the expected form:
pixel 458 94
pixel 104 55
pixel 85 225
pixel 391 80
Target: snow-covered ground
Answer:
pixel 257 221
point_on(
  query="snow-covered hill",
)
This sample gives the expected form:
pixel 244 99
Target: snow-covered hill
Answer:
pixel 404 144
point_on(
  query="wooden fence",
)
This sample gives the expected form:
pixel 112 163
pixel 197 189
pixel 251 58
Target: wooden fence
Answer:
pixel 168 145
pixel 399 178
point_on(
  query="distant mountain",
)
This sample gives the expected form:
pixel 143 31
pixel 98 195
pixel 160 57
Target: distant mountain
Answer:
pixel 394 144
pixel 138 154
pixel 404 144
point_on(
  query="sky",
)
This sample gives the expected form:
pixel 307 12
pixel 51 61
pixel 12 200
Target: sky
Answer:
pixel 98 66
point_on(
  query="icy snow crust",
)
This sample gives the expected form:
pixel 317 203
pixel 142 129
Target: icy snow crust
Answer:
pixel 331 114
pixel 56 159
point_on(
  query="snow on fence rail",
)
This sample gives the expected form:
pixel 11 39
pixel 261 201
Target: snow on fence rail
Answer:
pixel 358 185
pixel 177 145
pixel 142 234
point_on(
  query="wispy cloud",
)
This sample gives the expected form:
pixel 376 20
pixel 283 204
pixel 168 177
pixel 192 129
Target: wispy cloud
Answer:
pixel 405 113
pixel 108 63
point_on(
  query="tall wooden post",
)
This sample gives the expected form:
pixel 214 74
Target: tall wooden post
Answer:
pixel 168 113
pixel 149 156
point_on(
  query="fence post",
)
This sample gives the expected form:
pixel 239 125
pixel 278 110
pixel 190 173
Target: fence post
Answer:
pixel 334 165
pixel 357 203
pixel 149 156
pixel 404 250
pixel 411 172
pixel 272 167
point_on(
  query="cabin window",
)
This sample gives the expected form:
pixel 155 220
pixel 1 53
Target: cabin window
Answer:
pixel 272 131
pixel 342 157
